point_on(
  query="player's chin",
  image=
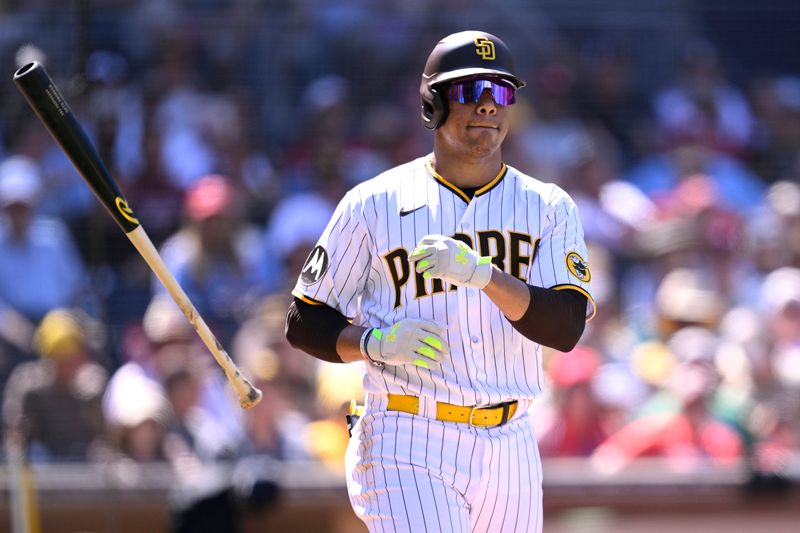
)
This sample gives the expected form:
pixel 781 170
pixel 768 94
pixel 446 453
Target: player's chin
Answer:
pixel 485 144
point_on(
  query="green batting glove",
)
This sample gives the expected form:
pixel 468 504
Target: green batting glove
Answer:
pixel 437 256
pixel 409 341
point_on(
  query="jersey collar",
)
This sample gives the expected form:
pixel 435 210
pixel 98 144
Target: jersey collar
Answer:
pixel 458 192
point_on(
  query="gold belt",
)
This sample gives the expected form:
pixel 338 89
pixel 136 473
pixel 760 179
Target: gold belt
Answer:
pixel 478 415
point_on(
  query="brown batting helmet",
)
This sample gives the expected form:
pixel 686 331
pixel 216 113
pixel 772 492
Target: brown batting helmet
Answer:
pixel 461 55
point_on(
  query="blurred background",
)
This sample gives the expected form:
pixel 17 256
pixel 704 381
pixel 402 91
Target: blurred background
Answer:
pixel 234 127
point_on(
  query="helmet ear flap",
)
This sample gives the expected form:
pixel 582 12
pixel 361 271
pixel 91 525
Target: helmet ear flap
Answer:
pixel 434 109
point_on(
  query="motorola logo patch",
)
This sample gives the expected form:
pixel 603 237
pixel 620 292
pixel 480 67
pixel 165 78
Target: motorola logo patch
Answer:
pixel 315 267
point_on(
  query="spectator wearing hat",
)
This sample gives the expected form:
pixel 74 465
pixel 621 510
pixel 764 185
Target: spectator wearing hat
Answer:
pixel 52 406
pixel 40 267
pixel 215 255
pixel 291 232
pixel 170 346
pixel 137 430
pixel 682 426
pixel 774 371
pixel 277 426
pixel 572 425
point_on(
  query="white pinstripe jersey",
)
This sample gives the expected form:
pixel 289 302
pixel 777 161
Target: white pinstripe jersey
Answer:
pixel 360 267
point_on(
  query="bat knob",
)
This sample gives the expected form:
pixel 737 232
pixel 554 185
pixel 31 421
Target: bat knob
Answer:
pixel 251 399
pixel 27 68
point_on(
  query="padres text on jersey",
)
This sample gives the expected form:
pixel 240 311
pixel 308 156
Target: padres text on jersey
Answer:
pixel 360 267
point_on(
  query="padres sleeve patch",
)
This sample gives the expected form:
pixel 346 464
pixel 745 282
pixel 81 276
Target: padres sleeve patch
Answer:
pixel 315 267
pixel 578 267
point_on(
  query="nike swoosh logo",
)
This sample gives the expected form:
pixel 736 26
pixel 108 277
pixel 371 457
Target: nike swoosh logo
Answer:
pixel 404 212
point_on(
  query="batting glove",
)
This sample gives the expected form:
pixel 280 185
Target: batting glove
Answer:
pixel 441 257
pixel 410 340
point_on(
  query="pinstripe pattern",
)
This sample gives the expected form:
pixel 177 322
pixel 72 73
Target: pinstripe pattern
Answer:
pixel 490 362
pixel 409 473
pixel 441 477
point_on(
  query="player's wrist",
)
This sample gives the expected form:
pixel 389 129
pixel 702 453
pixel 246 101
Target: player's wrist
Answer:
pixel 482 274
pixel 364 345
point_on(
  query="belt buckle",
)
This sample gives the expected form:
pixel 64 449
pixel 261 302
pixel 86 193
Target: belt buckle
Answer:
pixel 506 406
pixel 472 415
pixel 476 408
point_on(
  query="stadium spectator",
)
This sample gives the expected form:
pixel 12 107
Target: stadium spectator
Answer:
pixel 52 406
pixel 171 346
pixel 137 428
pixel 276 426
pixel 573 426
pixel 40 267
pixel 679 423
pixel 703 105
pixel 215 256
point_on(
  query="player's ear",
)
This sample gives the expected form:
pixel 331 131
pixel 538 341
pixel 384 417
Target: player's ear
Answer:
pixel 434 109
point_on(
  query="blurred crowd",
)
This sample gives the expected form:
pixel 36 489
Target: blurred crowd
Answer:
pixel 233 144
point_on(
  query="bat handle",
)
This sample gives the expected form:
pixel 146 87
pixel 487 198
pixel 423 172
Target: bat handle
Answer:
pixel 247 394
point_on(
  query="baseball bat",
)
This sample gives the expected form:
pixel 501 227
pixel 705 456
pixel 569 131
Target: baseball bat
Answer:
pixel 46 100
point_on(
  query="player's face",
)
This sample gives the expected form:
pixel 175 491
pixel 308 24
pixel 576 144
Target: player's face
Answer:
pixel 478 119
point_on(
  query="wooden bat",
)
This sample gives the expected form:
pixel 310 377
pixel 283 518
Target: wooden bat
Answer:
pixel 46 100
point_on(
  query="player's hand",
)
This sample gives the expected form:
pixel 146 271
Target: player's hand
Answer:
pixel 441 257
pixel 409 341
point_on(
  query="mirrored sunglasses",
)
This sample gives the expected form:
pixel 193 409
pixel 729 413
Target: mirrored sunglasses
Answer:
pixel 470 91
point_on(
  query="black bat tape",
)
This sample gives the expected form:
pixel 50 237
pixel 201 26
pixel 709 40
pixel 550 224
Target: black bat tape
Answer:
pixel 46 100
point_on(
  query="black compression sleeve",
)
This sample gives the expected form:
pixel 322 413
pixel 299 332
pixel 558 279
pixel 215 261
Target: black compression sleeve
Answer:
pixel 315 329
pixel 554 318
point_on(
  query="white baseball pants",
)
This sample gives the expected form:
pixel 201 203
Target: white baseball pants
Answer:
pixel 409 473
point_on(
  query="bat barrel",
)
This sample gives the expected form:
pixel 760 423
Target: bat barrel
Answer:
pixel 44 97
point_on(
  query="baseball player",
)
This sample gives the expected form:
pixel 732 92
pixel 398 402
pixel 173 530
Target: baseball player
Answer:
pixel 447 275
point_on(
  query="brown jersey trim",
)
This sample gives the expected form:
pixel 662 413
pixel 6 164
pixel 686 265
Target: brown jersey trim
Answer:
pixel 456 190
pixel 306 299
pixel 492 184
pixel 582 291
pixel 310 301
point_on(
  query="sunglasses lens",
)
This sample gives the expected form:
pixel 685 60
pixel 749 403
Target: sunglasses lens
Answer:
pixel 470 91
pixel 503 94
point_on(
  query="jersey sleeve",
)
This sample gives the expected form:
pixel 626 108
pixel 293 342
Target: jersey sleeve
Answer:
pixel 335 272
pixel 561 259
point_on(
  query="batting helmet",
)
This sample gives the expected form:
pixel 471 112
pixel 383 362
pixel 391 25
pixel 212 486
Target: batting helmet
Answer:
pixel 461 55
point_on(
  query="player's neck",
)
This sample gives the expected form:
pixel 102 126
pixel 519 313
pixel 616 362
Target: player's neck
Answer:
pixel 467 172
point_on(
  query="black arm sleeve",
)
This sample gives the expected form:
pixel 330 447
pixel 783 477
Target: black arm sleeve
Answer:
pixel 315 329
pixel 554 318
